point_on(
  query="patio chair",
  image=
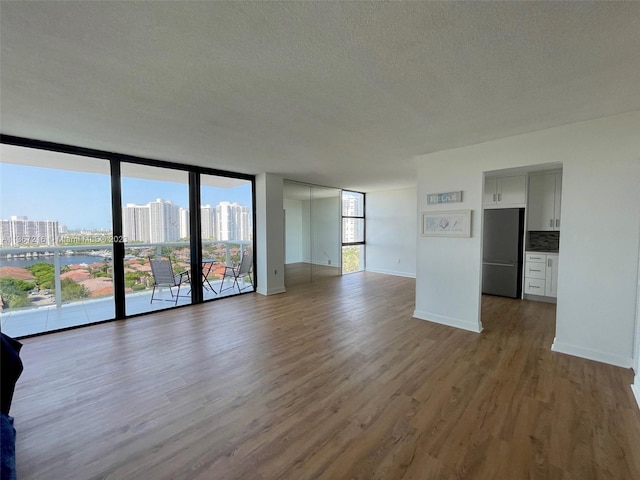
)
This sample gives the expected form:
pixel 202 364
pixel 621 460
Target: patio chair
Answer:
pixel 163 276
pixel 240 271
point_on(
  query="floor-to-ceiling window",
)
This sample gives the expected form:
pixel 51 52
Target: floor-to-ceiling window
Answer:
pixel 226 226
pixel 89 236
pixel 56 245
pixel 155 200
pixel 353 232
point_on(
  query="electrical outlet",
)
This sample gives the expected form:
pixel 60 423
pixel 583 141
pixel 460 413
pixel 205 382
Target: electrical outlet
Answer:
pixel 398 260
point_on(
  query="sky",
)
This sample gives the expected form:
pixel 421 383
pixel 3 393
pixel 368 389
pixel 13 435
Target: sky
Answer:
pixel 83 200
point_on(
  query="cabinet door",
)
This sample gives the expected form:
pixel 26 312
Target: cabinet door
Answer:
pixel 512 190
pixel 541 202
pixel 490 196
pixel 551 277
pixel 558 200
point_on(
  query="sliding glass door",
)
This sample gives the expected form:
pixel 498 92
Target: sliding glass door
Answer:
pixel 226 226
pixel 89 236
pixel 155 219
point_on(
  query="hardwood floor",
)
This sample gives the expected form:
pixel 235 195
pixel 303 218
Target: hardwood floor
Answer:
pixel 332 380
pixel 298 273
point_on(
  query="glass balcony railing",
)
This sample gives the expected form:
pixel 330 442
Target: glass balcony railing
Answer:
pixel 48 288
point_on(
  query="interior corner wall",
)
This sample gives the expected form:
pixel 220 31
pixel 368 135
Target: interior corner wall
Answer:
pixel 598 270
pixel 270 234
pixel 391 226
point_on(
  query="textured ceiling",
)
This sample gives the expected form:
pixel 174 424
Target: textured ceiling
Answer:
pixel 340 94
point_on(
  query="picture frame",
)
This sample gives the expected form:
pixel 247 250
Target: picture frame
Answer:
pixel 446 197
pixel 450 223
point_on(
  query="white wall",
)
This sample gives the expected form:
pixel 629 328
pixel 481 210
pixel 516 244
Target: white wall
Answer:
pixel 270 234
pixel 392 227
pixel 598 243
pixel 293 231
pixel 636 366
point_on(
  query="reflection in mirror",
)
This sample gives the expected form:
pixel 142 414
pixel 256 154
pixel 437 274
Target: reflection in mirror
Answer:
pixel 312 233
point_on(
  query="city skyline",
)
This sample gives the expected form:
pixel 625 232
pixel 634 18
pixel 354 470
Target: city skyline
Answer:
pixel 43 194
pixel 157 221
pixel 162 221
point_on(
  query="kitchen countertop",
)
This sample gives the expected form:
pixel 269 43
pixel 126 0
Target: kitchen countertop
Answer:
pixel 544 252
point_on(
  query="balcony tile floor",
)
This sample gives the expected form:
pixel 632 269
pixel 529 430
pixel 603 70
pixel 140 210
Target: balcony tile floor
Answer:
pixel 30 321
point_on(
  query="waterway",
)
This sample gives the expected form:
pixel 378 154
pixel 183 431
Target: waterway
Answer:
pixel 64 260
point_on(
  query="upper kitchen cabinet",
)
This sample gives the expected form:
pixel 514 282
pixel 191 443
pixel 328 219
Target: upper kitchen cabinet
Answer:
pixel 545 193
pixel 505 192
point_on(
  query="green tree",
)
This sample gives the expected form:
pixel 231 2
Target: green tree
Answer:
pixel 350 259
pixel 44 275
pixel 14 292
pixel 72 290
pixel 131 279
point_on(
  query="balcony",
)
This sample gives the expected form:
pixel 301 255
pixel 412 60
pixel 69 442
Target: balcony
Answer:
pixel 54 308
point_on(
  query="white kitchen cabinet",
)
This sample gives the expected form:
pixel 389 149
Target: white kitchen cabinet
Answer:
pixel 545 197
pixel 535 270
pixel 551 276
pixel 541 274
pixel 534 286
pixel 505 192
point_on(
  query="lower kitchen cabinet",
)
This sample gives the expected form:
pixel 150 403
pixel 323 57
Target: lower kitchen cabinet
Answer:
pixel 541 274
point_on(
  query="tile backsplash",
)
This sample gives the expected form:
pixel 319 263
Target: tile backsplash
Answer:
pixel 543 241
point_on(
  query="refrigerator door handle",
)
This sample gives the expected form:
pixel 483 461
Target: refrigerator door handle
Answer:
pixel 500 264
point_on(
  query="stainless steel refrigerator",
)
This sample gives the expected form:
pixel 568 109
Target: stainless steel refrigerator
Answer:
pixel 502 252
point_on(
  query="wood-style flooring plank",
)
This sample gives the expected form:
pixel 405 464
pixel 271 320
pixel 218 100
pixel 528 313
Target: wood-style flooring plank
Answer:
pixel 332 380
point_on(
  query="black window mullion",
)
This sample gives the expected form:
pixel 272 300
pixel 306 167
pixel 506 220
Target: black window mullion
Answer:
pixel 118 241
pixel 195 237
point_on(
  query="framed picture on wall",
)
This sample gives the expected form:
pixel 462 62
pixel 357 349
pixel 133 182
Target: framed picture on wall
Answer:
pixel 451 223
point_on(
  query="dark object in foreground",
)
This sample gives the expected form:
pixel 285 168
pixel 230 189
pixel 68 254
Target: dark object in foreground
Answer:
pixel 11 370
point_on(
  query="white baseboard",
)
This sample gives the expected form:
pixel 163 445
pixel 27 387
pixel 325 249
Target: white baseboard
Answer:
pixel 635 388
pixel 448 321
pixel 273 291
pixel 391 272
pixel 590 354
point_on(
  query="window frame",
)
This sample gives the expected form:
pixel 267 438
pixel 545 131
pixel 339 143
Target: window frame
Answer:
pixel 116 161
pixel 359 217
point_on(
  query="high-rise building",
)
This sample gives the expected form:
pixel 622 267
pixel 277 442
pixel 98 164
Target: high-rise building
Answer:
pixel 155 222
pixel 226 226
pixel 19 231
pixel 184 223
pixel 245 231
pixel 208 222
pixel 161 221
pixel 136 223
pixel 5 233
pixel 164 217
pixel 233 221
